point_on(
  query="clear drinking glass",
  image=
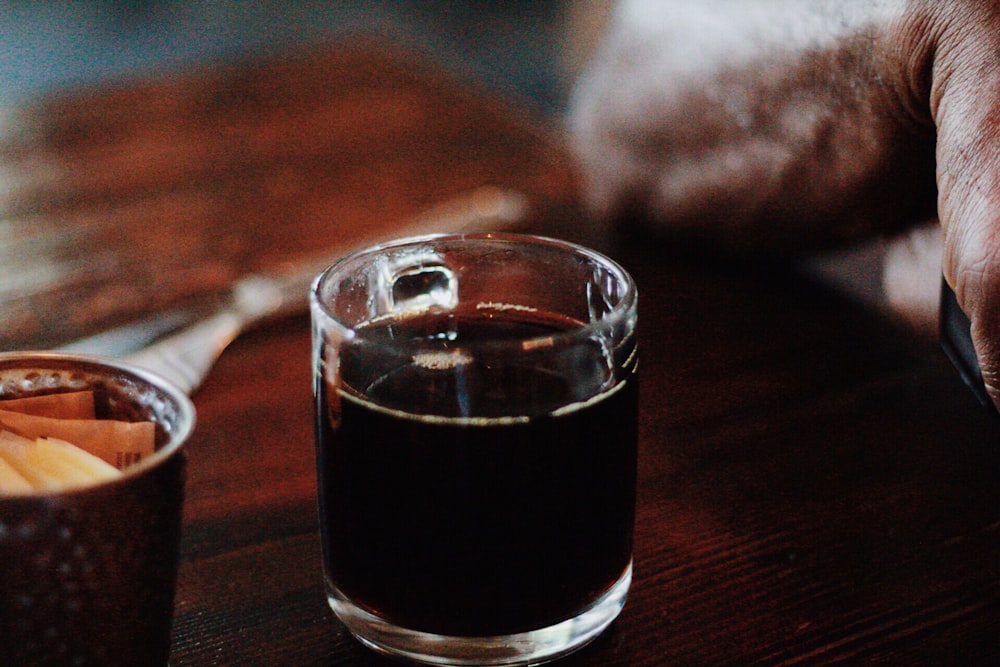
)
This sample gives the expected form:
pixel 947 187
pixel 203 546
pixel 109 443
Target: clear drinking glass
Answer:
pixel 476 399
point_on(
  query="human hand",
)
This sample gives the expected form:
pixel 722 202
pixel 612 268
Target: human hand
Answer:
pixel 964 98
pixel 781 127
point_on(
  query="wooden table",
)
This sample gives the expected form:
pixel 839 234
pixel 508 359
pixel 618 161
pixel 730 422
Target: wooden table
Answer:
pixel 815 485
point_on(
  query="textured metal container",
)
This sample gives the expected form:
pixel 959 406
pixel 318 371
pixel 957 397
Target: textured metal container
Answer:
pixel 87 576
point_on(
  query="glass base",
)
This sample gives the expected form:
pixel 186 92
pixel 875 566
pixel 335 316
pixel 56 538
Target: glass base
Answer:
pixel 523 648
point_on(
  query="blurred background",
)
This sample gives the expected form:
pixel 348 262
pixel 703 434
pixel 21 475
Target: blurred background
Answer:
pixel 527 49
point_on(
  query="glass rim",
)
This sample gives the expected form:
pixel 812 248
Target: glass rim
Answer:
pixel 621 310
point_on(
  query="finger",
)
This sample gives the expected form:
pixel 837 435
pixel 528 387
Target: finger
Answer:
pixel 966 102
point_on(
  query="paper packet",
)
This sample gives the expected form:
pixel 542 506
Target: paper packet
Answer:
pixel 119 443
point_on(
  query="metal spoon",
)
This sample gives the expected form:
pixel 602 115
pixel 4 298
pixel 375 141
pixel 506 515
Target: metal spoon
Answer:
pixel 186 356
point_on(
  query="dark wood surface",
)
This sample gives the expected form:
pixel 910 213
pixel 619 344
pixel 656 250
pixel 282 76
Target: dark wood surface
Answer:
pixel 816 486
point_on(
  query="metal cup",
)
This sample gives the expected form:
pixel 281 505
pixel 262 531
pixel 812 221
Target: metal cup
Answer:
pixel 87 575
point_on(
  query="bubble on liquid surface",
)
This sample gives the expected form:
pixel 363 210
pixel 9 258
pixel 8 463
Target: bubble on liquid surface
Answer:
pixel 440 360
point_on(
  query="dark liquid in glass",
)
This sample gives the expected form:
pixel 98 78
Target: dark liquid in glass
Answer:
pixel 504 520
